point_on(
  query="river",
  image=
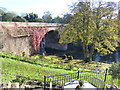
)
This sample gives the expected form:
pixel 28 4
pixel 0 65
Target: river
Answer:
pixel 113 57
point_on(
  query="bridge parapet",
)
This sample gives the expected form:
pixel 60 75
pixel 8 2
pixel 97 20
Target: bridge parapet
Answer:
pixel 51 26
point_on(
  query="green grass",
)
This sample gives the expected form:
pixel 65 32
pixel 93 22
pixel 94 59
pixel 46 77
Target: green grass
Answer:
pixel 45 61
pixel 11 68
pixel 58 62
pixel 37 69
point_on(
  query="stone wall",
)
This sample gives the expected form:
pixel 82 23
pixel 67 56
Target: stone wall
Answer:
pixel 1 38
pixel 18 45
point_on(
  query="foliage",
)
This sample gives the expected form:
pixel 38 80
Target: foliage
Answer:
pixel 18 19
pixel 35 69
pixel 32 17
pixel 95 29
pixel 56 63
pixel 67 18
pixel 64 56
pixel 47 17
pixel 20 79
pixel 38 35
pixel 115 71
pixel 1 12
pixel 57 20
pixel 8 16
pixel 81 83
pixel 70 57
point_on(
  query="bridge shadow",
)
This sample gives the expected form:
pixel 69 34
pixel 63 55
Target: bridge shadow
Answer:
pixel 71 51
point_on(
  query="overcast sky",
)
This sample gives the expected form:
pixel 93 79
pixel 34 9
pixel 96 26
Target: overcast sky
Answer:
pixel 56 7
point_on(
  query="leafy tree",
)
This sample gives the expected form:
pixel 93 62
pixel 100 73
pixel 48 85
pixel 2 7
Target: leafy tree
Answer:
pixel 1 12
pixel 114 71
pixel 8 16
pixel 119 17
pixel 67 18
pixel 47 17
pixel 57 20
pixel 18 19
pixel 31 17
pixel 94 28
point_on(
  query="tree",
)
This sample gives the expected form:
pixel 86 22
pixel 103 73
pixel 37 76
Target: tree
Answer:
pixel 119 17
pixel 18 19
pixel 114 71
pixel 1 12
pixel 31 17
pixel 47 17
pixel 95 31
pixel 8 16
pixel 67 18
pixel 57 20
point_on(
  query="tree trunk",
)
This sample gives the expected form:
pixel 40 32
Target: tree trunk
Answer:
pixel 88 53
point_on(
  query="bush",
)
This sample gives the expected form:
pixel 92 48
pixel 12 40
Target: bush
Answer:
pixel 47 58
pixel 81 83
pixel 70 66
pixel 20 79
pixel 75 69
pixel 64 56
pixel 114 70
pixel 70 57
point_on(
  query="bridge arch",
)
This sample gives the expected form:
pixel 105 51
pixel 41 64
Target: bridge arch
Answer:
pixel 21 40
pixel 51 41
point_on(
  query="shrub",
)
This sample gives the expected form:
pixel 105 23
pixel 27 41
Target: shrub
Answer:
pixel 81 83
pixel 46 64
pixel 64 56
pixel 47 58
pixel 115 72
pixel 70 57
pixel 70 66
pixel 75 69
pixel 20 79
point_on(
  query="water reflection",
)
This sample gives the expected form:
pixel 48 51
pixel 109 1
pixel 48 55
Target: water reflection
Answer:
pixel 113 57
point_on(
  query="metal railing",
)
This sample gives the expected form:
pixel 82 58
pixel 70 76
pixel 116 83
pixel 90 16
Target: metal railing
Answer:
pixel 84 75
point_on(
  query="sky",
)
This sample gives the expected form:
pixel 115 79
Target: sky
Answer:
pixel 56 7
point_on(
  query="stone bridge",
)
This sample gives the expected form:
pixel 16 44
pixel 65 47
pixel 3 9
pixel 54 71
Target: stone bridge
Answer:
pixel 18 45
pixel 51 26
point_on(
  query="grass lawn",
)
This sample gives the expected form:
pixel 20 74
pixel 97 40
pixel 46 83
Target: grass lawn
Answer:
pixel 11 68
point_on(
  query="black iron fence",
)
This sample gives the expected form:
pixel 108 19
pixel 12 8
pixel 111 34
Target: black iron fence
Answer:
pixel 96 77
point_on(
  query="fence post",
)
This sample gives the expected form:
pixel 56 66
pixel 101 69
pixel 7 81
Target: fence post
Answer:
pixel 51 85
pixel 105 76
pixel 78 74
pixel 44 82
